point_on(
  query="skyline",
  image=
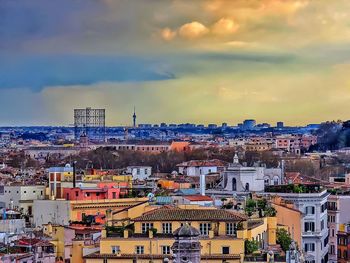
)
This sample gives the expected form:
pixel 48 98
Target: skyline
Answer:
pixel 208 61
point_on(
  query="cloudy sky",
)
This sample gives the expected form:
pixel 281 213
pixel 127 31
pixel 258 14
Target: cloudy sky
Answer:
pixel 202 61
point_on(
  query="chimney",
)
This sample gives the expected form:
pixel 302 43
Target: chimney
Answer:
pixel 202 184
pixel 74 183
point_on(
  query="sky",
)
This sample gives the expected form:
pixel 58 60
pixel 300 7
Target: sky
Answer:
pixel 176 61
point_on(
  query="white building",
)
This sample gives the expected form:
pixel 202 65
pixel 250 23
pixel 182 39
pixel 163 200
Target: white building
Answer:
pixel 139 172
pixel 338 213
pixel 242 178
pixel 21 196
pixel 201 167
pixel 51 211
pixel 314 223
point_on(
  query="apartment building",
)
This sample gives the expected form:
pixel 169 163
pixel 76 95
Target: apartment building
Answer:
pixel 311 200
pixel 139 172
pixel 338 207
pixel 222 235
pixel 21 197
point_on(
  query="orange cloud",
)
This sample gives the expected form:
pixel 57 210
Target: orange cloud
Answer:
pixel 193 30
pixel 225 26
pixel 253 9
pixel 168 34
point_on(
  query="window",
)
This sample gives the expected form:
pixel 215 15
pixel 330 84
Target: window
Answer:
pixel 331 219
pixel 137 171
pixel 139 250
pixel 115 249
pixel 114 195
pixel 266 180
pixel 309 226
pixel 332 250
pixel 310 210
pixel 309 247
pixel 332 206
pixel 146 227
pixel 225 250
pixel 342 241
pixel 325 241
pixel 204 228
pixel 323 207
pixel 322 225
pixel 167 228
pixel 166 250
pixel 230 229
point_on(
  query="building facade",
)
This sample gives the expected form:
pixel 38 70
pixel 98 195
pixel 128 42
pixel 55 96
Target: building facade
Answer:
pixel 314 232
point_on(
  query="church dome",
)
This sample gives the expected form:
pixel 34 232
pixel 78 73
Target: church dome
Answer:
pixel 186 231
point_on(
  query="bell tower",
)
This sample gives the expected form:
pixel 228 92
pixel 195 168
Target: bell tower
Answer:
pixel 186 248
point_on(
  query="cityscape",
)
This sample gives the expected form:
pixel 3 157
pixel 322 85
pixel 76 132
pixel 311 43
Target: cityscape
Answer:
pixel 176 131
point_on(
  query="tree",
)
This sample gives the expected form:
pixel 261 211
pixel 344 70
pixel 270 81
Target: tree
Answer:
pixel 270 211
pixel 283 239
pixel 250 246
pixel 250 207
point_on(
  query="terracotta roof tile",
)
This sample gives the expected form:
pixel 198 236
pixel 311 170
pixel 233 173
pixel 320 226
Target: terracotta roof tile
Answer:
pixel 198 198
pixel 178 214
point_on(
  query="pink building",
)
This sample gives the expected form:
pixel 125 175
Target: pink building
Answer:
pixel 308 140
pixel 102 191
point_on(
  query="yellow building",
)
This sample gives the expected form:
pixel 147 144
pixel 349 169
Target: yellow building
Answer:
pixel 289 218
pixel 123 179
pixel 150 237
pixel 71 243
pixel 95 207
pixel 61 237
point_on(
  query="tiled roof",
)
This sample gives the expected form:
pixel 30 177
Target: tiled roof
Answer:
pixel 198 198
pixel 178 214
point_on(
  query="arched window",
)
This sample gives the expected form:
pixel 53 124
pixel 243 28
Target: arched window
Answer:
pixel 247 187
pixel 234 184
pixel 276 180
pixel 266 180
pixel 310 210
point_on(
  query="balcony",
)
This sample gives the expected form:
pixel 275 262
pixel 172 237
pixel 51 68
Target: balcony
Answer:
pixel 312 233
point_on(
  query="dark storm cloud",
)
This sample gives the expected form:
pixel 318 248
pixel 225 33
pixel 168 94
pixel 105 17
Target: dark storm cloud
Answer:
pixel 45 71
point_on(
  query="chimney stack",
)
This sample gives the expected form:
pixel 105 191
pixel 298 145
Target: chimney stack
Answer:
pixel 74 182
pixel 202 184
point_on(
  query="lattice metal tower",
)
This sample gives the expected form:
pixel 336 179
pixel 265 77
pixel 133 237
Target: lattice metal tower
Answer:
pixel 90 122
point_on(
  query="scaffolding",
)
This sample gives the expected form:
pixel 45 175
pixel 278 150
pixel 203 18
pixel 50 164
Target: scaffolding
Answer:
pixel 91 123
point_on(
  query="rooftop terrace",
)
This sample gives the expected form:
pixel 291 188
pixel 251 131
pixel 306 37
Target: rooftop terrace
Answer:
pixel 295 188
